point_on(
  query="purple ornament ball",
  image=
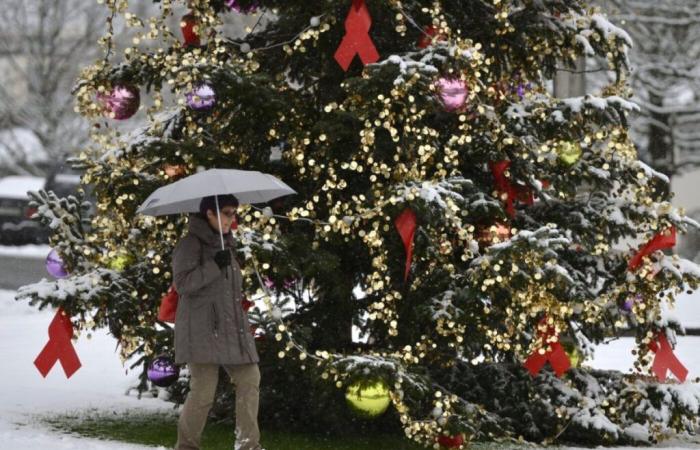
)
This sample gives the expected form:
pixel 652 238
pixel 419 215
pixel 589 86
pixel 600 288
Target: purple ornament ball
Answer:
pixel 629 303
pixel 452 93
pixel 234 5
pixel 121 102
pixel 163 371
pixel 55 265
pixel 522 89
pixel 201 98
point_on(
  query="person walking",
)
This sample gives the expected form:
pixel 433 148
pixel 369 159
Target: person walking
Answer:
pixel 211 327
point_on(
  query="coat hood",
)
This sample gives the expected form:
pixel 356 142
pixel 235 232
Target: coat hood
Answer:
pixel 200 228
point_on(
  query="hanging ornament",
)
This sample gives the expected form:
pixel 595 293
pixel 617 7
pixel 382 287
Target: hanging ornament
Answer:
pixel 121 102
pixel 573 353
pixel 174 171
pixel 666 360
pixel 663 240
pixel 235 5
pixel 554 354
pixel 189 26
pixel 59 348
pixel 629 303
pixel 357 40
pixel 498 232
pixel 163 371
pixel 454 441
pixel 429 36
pixel 406 225
pixel 511 191
pixel 569 152
pixel 119 263
pixel 202 98
pixel 452 93
pixel 522 88
pixel 371 401
pixel 55 265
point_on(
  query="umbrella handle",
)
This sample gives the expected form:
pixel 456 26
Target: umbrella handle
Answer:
pixel 218 217
pixel 221 233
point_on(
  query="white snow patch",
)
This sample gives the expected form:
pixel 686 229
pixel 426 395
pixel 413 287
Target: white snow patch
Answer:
pixel 25 251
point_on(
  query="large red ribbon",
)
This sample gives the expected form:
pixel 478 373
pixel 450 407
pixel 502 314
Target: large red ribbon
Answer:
pixel 406 224
pixel 666 360
pixel 59 348
pixel 556 356
pixel 664 239
pixel 357 40
pixel 513 192
pixel 188 22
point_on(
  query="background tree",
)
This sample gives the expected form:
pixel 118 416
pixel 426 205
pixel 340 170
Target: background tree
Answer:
pixel 514 210
pixel 665 79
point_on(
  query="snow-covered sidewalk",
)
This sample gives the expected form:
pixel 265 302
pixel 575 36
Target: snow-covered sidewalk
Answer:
pixel 102 381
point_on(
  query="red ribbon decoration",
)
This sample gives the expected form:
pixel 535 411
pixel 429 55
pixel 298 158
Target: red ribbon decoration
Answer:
pixel 429 34
pixel 357 40
pixel 406 225
pixel 450 441
pixel 666 360
pixel 187 25
pixel 662 240
pixel 59 348
pixel 513 192
pixel 556 356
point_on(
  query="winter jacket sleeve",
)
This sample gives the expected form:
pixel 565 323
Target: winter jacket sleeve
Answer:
pixel 189 275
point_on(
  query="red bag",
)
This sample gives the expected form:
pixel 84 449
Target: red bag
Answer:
pixel 168 306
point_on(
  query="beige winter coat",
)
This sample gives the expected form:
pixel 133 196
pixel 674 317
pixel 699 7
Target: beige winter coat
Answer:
pixel 210 324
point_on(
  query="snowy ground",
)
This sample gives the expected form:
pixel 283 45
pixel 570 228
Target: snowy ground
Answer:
pixel 101 382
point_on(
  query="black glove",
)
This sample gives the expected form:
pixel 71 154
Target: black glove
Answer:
pixel 222 258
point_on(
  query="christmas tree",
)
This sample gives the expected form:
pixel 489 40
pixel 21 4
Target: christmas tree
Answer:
pixel 456 228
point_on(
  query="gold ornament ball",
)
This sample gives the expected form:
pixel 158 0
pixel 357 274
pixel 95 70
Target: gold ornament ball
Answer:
pixel 371 401
pixel 569 152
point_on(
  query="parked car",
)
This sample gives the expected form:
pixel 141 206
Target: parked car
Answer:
pixel 16 225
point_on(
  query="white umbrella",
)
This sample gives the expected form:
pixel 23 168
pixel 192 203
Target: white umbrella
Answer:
pixel 184 196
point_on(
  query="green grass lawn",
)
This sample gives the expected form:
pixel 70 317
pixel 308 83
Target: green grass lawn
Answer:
pixel 161 428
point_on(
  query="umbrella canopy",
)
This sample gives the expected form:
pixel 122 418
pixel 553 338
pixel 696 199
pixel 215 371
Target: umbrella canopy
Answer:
pixel 184 196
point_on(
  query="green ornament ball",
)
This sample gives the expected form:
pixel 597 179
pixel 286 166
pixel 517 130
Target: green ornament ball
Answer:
pixel 575 356
pixel 569 152
pixel 119 263
pixel 370 401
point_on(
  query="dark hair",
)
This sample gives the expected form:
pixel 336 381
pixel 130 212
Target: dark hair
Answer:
pixel 208 203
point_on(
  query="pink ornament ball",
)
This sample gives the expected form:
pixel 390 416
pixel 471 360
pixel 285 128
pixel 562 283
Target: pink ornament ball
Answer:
pixel 121 102
pixel 452 93
pixel 234 5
